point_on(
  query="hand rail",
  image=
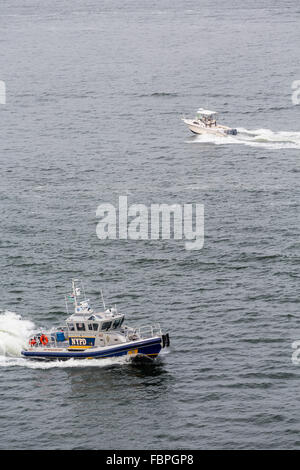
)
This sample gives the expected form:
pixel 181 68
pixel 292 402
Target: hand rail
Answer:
pixel 147 331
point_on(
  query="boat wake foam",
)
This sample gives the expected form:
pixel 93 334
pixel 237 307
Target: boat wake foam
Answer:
pixel 67 364
pixel 264 138
pixel 14 334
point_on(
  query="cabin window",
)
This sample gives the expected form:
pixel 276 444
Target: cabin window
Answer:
pixel 106 325
pixel 95 326
pixel 71 326
pixel 90 327
pixel 80 326
pixel 116 323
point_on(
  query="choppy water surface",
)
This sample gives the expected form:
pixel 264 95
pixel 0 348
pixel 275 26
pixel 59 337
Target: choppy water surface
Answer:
pixel 95 93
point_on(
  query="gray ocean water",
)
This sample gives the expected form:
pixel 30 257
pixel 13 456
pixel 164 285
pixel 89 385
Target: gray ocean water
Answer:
pixel 95 92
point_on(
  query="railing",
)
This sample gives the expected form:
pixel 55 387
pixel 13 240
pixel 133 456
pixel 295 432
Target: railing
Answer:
pixel 52 342
pixel 131 334
pixel 143 332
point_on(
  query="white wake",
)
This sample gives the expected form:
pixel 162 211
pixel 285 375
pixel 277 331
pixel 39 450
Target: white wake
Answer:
pixel 13 333
pixel 265 138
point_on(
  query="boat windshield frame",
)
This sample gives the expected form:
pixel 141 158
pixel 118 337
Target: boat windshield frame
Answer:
pixel 206 116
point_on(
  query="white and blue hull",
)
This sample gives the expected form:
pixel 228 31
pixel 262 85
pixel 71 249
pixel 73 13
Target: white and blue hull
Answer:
pixel 149 347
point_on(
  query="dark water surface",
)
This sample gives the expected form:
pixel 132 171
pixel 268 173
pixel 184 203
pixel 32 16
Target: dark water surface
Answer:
pixel 95 93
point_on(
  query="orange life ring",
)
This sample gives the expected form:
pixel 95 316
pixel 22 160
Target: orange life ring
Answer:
pixel 44 340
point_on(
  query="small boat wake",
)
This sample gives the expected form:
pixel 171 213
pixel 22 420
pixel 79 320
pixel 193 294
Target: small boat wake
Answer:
pixel 264 138
pixel 67 364
pixel 13 333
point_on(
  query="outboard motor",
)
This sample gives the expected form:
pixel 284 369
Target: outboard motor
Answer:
pixel 165 341
pixel 231 131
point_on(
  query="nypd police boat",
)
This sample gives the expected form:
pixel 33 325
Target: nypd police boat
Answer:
pixel 93 334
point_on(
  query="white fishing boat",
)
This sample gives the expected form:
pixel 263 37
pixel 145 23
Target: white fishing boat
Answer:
pixel 91 334
pixel 205 122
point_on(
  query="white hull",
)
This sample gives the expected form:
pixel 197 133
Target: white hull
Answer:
pixel 199 128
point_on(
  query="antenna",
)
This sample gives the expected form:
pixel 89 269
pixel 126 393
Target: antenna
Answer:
pixel 66 302
pixel 74 292
pixel 82 287
pixel 102 299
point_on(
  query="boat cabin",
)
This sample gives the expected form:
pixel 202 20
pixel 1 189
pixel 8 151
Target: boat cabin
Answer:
pixel 207 117
pixel 97 322
pixel 96 329
pixel 85 327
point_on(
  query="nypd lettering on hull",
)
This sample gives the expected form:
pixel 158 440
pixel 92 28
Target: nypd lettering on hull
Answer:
pixel 78 342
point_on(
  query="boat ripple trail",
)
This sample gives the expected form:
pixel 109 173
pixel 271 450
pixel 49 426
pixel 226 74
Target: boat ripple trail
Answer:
pixel 67 364
pixel 14 333
pixel 255 138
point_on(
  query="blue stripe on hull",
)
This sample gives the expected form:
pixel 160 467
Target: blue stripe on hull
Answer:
pixel 149 348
